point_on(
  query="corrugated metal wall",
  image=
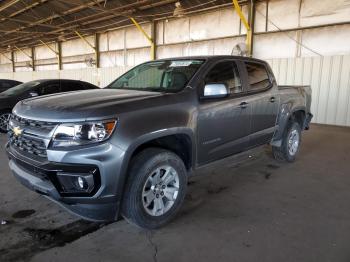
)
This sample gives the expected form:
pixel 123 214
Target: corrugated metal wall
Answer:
pixel 329 78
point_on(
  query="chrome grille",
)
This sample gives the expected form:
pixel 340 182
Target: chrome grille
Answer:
pixel 34 136
pixel 34 124
pixel 29 145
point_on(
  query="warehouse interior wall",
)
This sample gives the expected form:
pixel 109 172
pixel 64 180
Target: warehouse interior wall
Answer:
pixel 308 36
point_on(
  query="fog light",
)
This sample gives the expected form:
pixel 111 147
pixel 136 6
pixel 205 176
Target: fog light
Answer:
pixel 76 183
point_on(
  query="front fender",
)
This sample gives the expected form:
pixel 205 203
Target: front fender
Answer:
pixel 147 138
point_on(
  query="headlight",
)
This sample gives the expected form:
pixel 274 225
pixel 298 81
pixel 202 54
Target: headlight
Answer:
pixel 82 134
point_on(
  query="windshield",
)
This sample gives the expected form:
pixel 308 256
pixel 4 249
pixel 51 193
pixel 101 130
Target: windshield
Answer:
pixel 20 89
pixel 158 76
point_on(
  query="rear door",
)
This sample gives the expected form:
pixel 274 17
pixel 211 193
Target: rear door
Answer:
pixel 264 99
pixel 223 124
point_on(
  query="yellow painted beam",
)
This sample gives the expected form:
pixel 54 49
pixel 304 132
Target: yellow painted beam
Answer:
pixel 49 47
pixel 150 40
pixel 139 27
pixel 95 48
pixel 84 39
pixel 246 25
pixel 240 14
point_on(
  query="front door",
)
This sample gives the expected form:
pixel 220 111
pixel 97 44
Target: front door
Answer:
pixel 223 124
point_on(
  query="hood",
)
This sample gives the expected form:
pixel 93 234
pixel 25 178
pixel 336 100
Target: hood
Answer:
pixel 81 105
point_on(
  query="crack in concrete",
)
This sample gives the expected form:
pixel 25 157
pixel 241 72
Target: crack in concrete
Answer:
pixel 155 247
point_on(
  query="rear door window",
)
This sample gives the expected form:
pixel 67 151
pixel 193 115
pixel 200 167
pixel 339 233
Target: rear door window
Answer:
pixel 258 77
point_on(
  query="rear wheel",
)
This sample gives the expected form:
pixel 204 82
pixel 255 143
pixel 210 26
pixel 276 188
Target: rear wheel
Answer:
pixel 290 143
pixel 4 121
pixel 156 188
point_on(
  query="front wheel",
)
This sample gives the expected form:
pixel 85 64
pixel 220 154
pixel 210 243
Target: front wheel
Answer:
pixel 155 189
pixel 290 143
pixel 4 121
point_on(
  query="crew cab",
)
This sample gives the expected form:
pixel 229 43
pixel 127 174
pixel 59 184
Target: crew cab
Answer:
pixel 129 148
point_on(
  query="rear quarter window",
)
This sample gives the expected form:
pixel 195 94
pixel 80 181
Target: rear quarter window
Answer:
pixel 258 77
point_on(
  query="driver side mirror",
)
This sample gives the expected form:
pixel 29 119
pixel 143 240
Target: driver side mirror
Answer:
pixel 33 94
pixel 215 91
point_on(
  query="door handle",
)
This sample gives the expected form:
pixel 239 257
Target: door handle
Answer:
pixel 243 105
pixel 272 99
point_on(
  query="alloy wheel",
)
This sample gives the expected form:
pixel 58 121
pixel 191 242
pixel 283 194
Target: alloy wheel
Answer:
pixel 4 121
pixel 293 142
pixel 160 190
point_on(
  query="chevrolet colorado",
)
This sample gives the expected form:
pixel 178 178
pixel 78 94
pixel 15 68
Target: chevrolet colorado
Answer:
pixel 128 149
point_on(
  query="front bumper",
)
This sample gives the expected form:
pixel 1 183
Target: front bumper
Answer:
pixel 101 205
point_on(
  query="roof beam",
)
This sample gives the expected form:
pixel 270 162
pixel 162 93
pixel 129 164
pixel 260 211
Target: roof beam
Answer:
pixel 81 23
pixel 31 23
pixel 75 26
pixel 8 4
pixel 49 19
pixel 24 9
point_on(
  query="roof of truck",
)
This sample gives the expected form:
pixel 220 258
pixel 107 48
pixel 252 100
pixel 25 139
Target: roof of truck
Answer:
pixel 214 57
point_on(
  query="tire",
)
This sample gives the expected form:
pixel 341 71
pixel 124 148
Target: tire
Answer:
pixel 156 174
pixel 288 151
pixel 4 115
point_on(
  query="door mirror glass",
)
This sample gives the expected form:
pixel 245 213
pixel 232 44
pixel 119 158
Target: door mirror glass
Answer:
pixel 215 91
pixel 33 94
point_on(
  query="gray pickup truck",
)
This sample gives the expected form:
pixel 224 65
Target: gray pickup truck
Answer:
pixel 129 149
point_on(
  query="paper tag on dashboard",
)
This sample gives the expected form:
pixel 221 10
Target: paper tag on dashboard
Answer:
pixel 180 63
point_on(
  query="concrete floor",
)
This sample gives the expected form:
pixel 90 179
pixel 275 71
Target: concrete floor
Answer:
pixel 257 210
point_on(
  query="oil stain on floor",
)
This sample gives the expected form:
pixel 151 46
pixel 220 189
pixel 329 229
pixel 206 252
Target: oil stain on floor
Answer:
pixel 23 213
pixel 43 239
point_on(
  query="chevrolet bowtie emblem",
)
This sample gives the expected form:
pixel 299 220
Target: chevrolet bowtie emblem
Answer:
pixel 17 131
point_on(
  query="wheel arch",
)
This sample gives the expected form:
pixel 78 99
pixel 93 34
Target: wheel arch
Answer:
pixel 161 139
pixel 166 139
pixel 287 113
